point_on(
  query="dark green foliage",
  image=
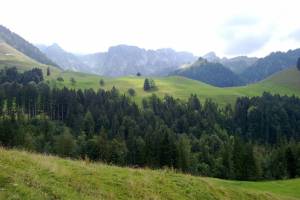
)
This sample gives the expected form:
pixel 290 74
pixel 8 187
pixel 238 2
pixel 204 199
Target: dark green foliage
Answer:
pixel 212 73
pixel 131 92
pixel 65 144
pixel 149 84
pixel 101 82
pixel 73 81
pixel 298 63
pixel 60 79
pixel 48 71
pixel 11 75
pixel 146 84
pixel 138 74
pixel 291 162
pixel 258 139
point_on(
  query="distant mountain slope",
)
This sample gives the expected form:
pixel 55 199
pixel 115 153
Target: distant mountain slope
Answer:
pixel 64 59
pixel 30 176
pixel 125 60
pixel 211 73
pixel 23 46
pixel 271 64
pixel 236 64
pixel 10 57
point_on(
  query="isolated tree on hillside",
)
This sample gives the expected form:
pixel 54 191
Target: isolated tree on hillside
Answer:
pixel 101 82
pixel 60 79
pixel 48 71
pixel 138 74
pixel 298 64
pixel 131 92
pixel 152 84
pixel 73 81
pixel 147 86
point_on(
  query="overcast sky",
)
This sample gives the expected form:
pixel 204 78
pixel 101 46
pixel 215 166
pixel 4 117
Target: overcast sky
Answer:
pixel 230 28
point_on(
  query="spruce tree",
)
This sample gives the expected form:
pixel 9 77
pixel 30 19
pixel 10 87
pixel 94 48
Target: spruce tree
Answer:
pixel 147 86
pixel 48 71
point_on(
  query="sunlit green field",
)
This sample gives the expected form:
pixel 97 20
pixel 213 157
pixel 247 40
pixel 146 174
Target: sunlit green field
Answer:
pixel 27 176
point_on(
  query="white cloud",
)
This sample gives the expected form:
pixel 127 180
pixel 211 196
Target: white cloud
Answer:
pixel 190 25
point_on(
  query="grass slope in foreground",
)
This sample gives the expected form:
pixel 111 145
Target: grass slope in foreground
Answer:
pixel 31 176
pixel 286 82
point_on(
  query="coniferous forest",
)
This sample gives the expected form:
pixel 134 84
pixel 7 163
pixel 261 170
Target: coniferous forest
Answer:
pixel 256 138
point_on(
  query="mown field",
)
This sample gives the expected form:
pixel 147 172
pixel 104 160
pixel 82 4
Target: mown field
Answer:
pixel 33 176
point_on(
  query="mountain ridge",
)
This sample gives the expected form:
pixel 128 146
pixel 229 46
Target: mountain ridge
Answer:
pixel 212 73
pixel 20 44
pixel 123 60
pixel 66 60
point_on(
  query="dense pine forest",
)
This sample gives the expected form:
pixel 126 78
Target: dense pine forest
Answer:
pixel 257 138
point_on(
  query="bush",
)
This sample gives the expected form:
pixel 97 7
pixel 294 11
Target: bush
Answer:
pixel 60 79
pixel 131 92
pixel 73 81
pixel 101 82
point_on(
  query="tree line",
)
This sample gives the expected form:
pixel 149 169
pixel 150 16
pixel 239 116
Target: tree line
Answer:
pixel 257 138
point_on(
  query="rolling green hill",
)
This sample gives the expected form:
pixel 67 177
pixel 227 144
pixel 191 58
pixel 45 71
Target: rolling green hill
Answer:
pixel 31 176
pixel 285 83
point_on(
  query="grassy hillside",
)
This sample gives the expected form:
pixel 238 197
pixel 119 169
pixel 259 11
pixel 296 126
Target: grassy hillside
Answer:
pixel 30 176
pixel 10 57
pixel 286 82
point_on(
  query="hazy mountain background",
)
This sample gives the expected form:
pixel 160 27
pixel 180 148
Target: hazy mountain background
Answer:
pixel 121 60
pixel 66 60
pixel 237 64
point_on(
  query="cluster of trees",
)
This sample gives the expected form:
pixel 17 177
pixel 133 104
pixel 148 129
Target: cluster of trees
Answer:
pixel 12 75
pixel 256 139
pixel 149 84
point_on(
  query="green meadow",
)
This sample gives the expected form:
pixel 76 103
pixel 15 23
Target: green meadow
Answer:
pixel 32 176
pixel 286 82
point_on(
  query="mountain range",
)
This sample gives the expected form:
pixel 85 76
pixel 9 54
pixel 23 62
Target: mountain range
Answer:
pixel 123 60
pixel 237 64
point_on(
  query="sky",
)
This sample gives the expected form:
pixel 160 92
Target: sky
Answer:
pixel 229 28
